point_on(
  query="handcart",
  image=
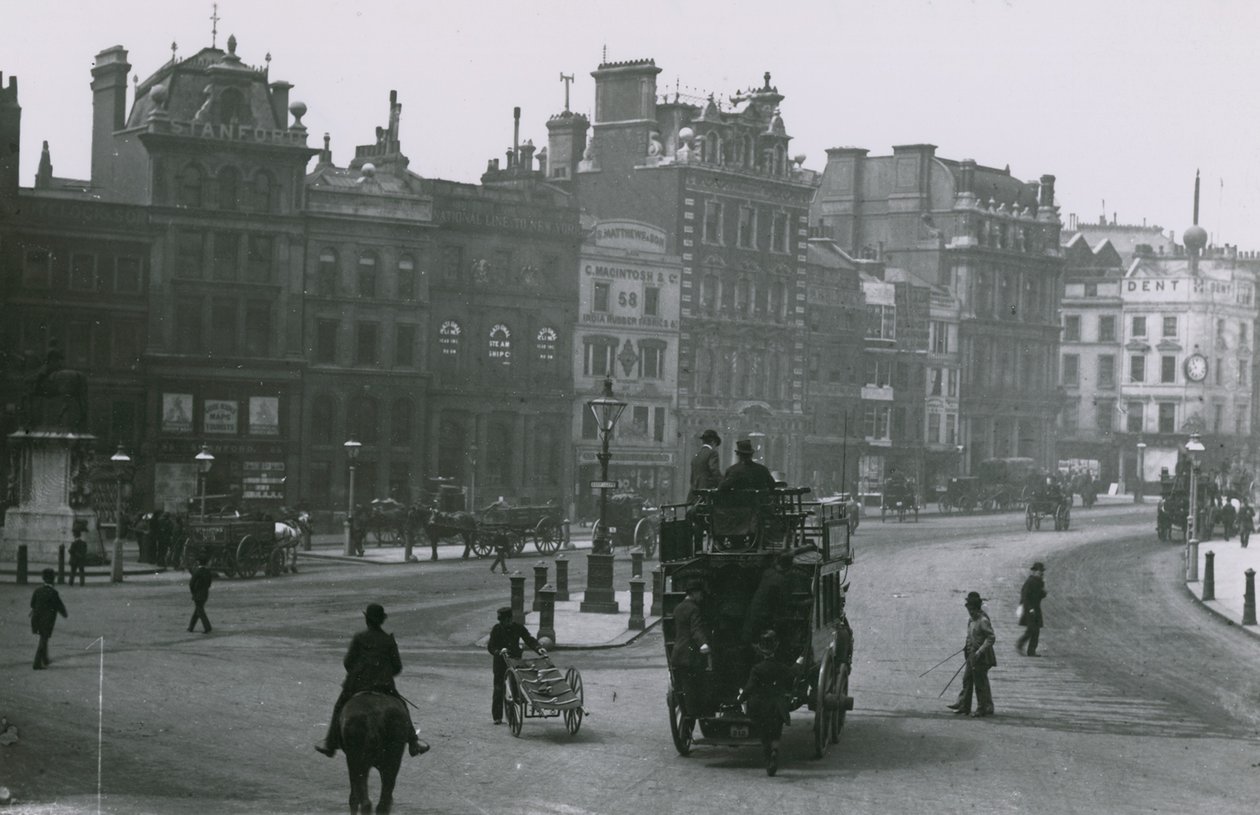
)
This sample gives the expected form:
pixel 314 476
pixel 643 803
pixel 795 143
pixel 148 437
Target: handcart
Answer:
pixel 536 689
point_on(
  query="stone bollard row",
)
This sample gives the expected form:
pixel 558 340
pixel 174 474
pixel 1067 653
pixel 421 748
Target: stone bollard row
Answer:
pixel 518 597
pixel 1209 576
pixel 637 622
pixel 658 592
pixel 562 578
pixel 540 580
pixel 636 563
pixel 1249 599
pixel 547 613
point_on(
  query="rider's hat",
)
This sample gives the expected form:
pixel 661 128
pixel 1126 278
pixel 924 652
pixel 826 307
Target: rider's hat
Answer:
pixel 375 613
pixel 711 435
pixel 1038 567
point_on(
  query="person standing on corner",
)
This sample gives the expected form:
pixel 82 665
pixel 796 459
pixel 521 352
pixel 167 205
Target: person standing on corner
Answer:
pixel 78 556
pixel 45 606
pixel 199 585
pixel 1030 597
pixel 507 635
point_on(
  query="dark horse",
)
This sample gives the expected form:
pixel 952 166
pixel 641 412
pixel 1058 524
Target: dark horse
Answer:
pixel 440 525
pixel 373 734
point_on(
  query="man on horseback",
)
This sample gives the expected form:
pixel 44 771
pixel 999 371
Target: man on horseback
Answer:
pixel 371 665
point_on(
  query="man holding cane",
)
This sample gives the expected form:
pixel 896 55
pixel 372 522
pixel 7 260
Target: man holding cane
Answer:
pixel 980 657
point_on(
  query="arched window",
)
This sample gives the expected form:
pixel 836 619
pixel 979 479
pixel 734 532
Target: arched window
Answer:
pixel 448 339
pixel 728 292
pixel 713 147
pixel 545 345
pixel 772 376
pixel 706 362
pixel 400 424
pixel 500 345
pixel 742 374
pixel 232 107
pixel 191 180
pixel 406 278
pixel 367 274
pixel 322 409
pixel 229 183
pixel 327 273
pixel 361 420
pixel 262 193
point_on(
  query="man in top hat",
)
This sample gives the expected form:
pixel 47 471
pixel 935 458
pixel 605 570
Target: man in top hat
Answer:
pixel 371 665
pixel 1030 597
pixel 507 635
pixel 45 606
pixel 706 464
pixel 766 692
pixel 746 474
pixel 980 657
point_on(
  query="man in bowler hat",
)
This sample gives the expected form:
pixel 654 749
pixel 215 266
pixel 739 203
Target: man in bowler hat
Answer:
pixel 706 464
pixel 45 606
pixel 507 635
pixel 980 657
pixel 371 665
pixel 746 474
pixel 1030 597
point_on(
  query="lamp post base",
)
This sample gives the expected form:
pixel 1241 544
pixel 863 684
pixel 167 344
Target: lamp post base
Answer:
pixel 599 597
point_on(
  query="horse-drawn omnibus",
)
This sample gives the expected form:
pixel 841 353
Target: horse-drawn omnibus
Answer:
pixel 728 543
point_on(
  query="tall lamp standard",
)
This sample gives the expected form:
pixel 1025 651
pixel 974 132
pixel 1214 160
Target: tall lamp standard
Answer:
pixel 599 597
pixel 352 453
pixel 1139 489
pixel 1193 447
pixel 472 477
pixel 205 460
pixel 120 459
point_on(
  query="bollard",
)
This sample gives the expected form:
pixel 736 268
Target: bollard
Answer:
pixel 1192 561
pixel 540 580
pixel 547 614
pixel 116 573
pixel 636 563
pixel 306 540
pixel 1249 599
pixel 61 564
pixel 636 604
pixel 658 591
pixel 568 540
pixel 562 578
pixel 21 565
pixel 518 597
pixel 1209 576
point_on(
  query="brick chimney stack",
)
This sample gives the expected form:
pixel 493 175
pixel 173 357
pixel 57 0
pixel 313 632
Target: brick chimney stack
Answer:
pixel 10 145
pixel 109 107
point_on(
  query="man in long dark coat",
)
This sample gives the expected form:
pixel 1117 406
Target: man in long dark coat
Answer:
pixel 507 635
pixel 199 586
pixel 706 464
pixel 45 606
pixel 1030 597
pixel 691 644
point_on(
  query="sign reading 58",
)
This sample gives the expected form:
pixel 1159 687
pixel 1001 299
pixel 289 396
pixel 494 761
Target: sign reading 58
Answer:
pixel 630 299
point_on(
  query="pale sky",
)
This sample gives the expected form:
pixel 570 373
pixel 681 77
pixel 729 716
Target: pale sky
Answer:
pixel 1120 99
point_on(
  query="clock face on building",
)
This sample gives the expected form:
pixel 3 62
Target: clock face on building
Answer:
pixel 1196 367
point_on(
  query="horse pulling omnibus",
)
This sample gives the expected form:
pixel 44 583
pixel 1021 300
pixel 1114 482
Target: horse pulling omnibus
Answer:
pixel 727 542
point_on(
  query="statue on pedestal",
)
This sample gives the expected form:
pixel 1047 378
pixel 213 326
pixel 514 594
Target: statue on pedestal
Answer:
pixel 56 396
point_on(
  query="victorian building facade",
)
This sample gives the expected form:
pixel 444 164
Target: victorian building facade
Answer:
pixel 717 179
pixel 993 242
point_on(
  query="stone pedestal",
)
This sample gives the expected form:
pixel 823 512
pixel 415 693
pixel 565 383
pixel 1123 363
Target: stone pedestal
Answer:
pixel 44 519
pixel 600 597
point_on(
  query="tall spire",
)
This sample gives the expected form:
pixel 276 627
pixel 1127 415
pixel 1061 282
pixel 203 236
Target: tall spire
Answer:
pixel 1196 196
pixel 214 24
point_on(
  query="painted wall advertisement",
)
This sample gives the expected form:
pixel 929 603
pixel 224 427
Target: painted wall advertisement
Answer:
pixel 263 480
pixel 177 412
pixel 264 416
pixel 173 484
pixel 220 416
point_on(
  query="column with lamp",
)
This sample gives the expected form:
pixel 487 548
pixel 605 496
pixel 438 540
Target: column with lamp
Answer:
pixel 205 460
pixel 1139 487
pixel 599 596
pixel 121 460
pixel 352 454
pixel 472 477
pixel 1194 446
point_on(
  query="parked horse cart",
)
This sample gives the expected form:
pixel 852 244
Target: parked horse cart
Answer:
pixel 543 524
pixel 238 547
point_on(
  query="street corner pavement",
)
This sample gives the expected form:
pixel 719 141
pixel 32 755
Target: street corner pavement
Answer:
pixel 575 629
pixel 1225 595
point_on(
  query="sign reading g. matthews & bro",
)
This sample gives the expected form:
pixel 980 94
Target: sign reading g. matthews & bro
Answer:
pixel 632 235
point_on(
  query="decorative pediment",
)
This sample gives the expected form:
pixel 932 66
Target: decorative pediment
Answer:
pixel 1168 345
pixel 1137 345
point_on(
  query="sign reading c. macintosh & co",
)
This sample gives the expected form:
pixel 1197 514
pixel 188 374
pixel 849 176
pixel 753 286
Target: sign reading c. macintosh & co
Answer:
pixel 632 235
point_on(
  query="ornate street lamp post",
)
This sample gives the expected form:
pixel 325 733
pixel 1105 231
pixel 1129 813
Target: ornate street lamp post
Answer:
pixel 599 563
pixel 1193 447
pixel 1139 489
pixel 352 453
pixel 120 459
pixel 472 477
pixel 205 460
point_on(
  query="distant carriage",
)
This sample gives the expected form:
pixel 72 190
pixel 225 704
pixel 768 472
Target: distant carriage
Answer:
pixel 899 498
pixel 235 546
pixel 962 494
pixel 633 522
pixel 1048 503
pixel 1005 482
pixel 385 520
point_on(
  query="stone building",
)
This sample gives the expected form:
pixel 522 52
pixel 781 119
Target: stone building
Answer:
pixel 990 239
pixel 716 177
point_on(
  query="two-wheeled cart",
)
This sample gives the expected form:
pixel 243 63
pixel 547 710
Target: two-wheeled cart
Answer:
pixel 537 689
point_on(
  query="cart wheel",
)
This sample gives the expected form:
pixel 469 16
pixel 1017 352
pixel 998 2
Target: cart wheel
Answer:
pixel 680 726
pixel 514 703
pixel 249 558
pixel 518 541
pixel 824 716
pixel 547 536
pixel 573 717
pixel 1030 519
pixel 645 537
pixel 278 563
pixel 479 542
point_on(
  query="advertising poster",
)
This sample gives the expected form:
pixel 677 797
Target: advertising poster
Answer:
pixel 173 484
pixel 264 480
pixel 220 416
pixel 177 412
pixel 264 416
